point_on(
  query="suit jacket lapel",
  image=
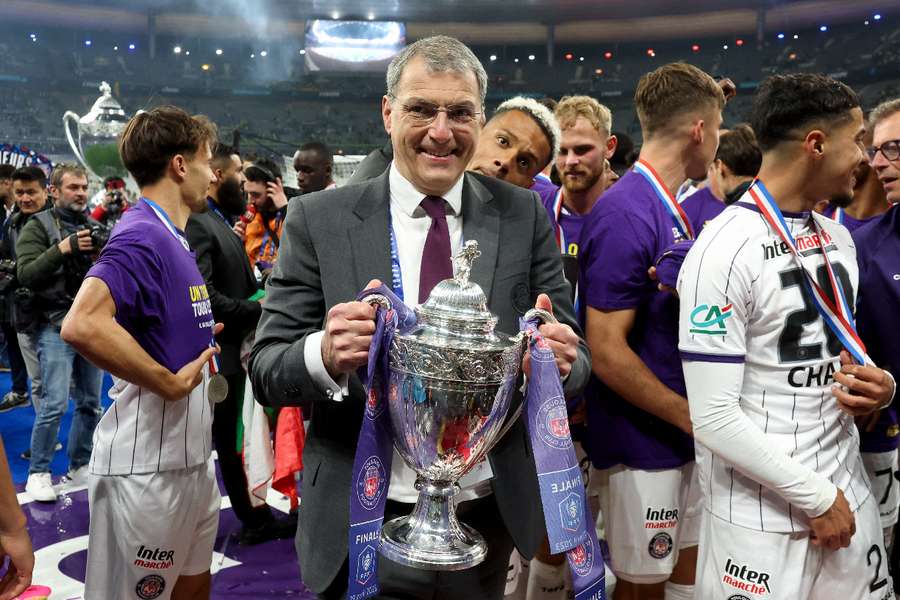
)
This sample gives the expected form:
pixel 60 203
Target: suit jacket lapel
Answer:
pixel 369 238
pixel 481 222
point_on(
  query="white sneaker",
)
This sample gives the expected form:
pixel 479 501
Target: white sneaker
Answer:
pixel 40 487
pixel 77 477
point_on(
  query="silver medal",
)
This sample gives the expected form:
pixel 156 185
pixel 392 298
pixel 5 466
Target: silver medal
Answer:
pixel 217 388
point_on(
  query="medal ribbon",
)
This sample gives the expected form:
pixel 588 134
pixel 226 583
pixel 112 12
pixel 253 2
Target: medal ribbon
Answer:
pixel 838 215
pixel 682 223
pixel 837 315
pixel 162 216
pixel 561 242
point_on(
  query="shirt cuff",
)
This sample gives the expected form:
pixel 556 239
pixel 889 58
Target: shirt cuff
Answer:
pixel 312 356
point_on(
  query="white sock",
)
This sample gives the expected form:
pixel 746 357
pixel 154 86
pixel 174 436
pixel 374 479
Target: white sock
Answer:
pixel 677 591
pixel 512 573
pixel 546 582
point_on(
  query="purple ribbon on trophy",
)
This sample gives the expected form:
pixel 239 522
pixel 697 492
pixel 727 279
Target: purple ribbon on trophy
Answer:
pixel 567 516
pixel 372 463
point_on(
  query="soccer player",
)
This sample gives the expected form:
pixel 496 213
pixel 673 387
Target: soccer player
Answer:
pixel 638 422
pixel 772 387
pixel 878 257
pixel 143 314
pixel 517 143
pixel 583 167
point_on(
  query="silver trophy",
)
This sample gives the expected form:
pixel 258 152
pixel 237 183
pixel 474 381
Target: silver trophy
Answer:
pixel 451 384
pixel 96 134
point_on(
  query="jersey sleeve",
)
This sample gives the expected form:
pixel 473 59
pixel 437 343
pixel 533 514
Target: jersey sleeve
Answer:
pixel 134 274
pixel 715 286
pixel 620 249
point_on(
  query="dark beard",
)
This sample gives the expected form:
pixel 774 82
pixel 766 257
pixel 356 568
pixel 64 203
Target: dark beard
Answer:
pixel 231 197
pixel 841 200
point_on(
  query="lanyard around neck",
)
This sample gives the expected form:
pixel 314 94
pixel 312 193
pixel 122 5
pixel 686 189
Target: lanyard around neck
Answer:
pixel 162 216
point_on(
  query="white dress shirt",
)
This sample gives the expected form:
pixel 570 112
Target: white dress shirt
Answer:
pixel 410 223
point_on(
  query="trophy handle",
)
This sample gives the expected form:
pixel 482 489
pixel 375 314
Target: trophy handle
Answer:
pixel 68 118
pixel 547 317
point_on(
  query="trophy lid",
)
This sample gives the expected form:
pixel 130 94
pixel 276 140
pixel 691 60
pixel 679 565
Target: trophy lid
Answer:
pixel 105 108
pixel 457 307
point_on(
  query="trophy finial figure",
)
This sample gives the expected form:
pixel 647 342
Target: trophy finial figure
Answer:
pixel 105 89
pixel 463 261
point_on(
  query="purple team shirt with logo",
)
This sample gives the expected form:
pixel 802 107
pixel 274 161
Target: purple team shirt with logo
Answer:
pixel 877 318
pixel 160 295
pixel 620 240
pixel 701 207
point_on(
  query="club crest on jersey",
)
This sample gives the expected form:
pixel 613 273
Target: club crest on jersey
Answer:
pixel 570 512
pixel 581 558
pixel 150 587
pixel 710 319
pixel 660 545
pixel 371 482
pixel 365 565
pixel 893 430
pixel 553 423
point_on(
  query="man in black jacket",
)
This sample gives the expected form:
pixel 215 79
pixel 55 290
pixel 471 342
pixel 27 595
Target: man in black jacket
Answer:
pixel 231 283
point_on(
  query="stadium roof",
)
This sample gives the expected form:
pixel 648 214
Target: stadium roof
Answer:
pixel 476 21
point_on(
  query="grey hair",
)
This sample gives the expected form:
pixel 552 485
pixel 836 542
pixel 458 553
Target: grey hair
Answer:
pixel 884 110
pixel 441 53
pixel 542 115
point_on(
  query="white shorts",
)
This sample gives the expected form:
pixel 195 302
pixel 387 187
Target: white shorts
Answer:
pixel 147 530
pixel 738 563
pixel 880 467
pixel 649 516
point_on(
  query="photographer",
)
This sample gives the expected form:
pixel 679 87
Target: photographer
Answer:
pixel 263 234
pixel 29 191
pixel 55 250
pixel 115 202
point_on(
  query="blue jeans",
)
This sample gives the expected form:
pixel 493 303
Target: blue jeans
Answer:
pixel 62 369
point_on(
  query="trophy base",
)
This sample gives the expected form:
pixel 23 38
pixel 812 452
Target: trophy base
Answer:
pixel 431 537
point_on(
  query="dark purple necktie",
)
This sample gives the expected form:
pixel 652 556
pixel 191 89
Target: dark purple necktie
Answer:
pixel 436 265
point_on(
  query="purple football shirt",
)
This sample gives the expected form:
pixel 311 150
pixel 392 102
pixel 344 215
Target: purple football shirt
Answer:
pixel 543 185
pixel 621 238
pixel 160 295
pixel 567 229
pixel 878 256
pixel 851 223
pixel 701 207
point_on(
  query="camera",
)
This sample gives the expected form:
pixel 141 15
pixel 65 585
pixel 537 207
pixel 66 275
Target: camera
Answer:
pixel 7 274
pixel 99 236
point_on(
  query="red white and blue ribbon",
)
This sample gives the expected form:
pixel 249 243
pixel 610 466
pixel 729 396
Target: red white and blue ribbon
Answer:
pixel 837 314
pixel 213 360
pixel 674 209
pixel 557 212
pixel 838 215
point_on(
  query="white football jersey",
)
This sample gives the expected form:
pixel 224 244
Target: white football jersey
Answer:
pixel 745 299
pixel 143 433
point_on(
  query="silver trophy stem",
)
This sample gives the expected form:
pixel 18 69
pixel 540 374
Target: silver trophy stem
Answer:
pixel 431 537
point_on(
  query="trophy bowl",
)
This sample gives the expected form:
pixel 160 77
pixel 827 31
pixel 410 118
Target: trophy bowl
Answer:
pixel 94 137
pixel 451 384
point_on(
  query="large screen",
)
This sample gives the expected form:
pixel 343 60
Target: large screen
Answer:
pixel 352 45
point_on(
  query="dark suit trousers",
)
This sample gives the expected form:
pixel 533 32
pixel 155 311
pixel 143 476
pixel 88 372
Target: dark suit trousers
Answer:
pixel 225 426
pixel 483 582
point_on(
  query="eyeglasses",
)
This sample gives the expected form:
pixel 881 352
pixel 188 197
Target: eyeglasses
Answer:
pixel 890 150
pixel 423 113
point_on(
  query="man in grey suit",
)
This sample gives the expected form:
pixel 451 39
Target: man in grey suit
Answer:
pixel 312 335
